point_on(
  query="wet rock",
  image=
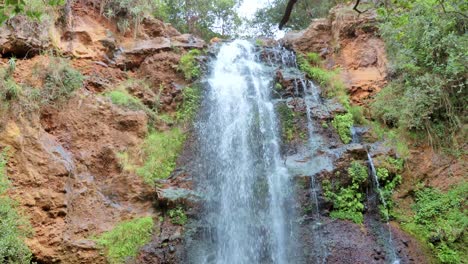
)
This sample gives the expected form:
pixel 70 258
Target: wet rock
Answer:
pixel 327 110
pixel 356 151
pixel 171 197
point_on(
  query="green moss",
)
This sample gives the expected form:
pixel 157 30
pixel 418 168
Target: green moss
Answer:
pixel 14 228
pixel 348 200
pixel 259 43
pixel 289 129
pixel 440 220
pixel 342 124
pixel 278 86
pixel 160 150
pixel 125 239
pixel 178 216
pixel 189 66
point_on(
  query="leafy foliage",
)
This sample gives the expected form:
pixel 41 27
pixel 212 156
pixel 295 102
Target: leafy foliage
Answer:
pixel 204 18
pixel 441 221
pixel 32 8
pixel 388 172
pixel 191 103
pixel 189 65
pixel 128 13
pixel 60 80
pixel 347 201
pixel 266 19
pixel 329 81
pixel 426 41
pixel 178 216
pixel 14 228
pixel 161 150
pixel 125 239
pixel 342 124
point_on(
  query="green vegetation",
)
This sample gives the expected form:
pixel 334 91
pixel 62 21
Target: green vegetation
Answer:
pixel 388 172
pixel 268 17
pixel 259 42
pixel 333 87
pixel 440 220
pixel 289 128
pixel 14 228
pixel 329 81
pixel 178 216
pixel 128 13
pixel 342 124
pixel 347 201
pixel 125 239
pixel 160 150
pixel 60 80
pixel 208 19
pixel 191 103
pixel 52 83
pixel 189 65
pixel 32 8
pixel 124 99
pixel 314 58
pixel 426 42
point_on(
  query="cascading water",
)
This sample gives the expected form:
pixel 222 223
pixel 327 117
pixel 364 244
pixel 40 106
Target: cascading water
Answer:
pixel 248 209
pixel 390 247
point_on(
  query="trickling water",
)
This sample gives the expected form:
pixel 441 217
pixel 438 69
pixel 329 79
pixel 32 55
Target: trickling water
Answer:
pixel 248 210
pixel 394 257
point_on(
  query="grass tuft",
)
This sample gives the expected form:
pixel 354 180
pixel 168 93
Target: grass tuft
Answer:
pixel 125 239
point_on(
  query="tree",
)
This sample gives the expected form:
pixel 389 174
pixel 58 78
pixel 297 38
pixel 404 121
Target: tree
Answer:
pixel 204 18
pixel 267 18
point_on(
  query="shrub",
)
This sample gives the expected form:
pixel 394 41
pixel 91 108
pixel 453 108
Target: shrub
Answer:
pixel 125 239
pixel 130 13
pixel 314 59
pixel 191 103
pixel 440 220
pixel 425 40
pixel 347 201
pixel 189 66
pixel 342 124
pixel 14 228
pixel 160 150
pixel 60 80
pixel 178 216
pixel 9 89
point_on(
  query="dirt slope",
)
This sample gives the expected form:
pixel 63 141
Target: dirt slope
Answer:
pixel 63 157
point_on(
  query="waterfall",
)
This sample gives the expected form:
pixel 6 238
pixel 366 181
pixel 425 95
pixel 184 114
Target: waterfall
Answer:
pixel 248 209
pixel 375 179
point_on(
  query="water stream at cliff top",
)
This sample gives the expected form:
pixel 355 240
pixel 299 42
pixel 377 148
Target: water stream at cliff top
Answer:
pixel 248 210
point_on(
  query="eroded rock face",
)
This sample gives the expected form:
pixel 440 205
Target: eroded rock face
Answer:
pixel 68 178
pixel 22 37
pixel 351 42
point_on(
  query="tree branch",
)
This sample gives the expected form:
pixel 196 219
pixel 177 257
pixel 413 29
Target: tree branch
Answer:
pixel 287 13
